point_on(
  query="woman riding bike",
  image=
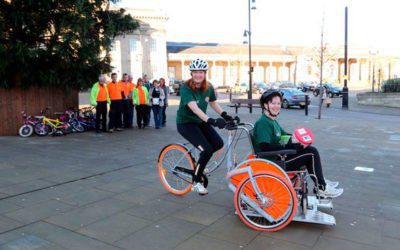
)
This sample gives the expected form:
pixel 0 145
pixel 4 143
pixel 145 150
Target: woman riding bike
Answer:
pixel 194 124
pixel 267 136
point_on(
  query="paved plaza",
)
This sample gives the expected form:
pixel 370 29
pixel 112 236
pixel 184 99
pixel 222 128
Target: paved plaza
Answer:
pixel 101 191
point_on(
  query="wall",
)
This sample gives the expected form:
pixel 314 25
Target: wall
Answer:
pixel 33 100
pixel 380 99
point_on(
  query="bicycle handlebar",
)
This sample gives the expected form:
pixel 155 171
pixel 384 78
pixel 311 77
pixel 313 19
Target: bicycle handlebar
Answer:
pixel 230 125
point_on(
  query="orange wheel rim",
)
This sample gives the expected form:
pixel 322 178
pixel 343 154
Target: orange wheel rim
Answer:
pixel 162 171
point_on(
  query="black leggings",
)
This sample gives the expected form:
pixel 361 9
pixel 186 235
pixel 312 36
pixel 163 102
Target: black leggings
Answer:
pixel 141 115
pixel 203 137
pixel 308 157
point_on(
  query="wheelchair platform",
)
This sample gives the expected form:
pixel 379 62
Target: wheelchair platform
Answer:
pixel 313 215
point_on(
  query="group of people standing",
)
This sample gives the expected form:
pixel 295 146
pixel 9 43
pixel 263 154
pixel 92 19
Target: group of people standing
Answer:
pixel 123 97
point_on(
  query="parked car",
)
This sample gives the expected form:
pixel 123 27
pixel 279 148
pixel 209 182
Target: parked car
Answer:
pixel 171 89
pixel 261 87
pixel 286 84
pixel 176 86
pixel 293 97
pixel 306 86
pixel 244 88
pixel 331 89
pixel 274 85
pixel 223 88
pixel 241 88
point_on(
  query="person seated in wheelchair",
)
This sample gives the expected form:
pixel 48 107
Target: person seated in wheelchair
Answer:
pixel 267 137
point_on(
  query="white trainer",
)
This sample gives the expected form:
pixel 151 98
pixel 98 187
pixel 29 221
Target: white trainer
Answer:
pixel 199 188
pixel 330 192
pixel 332 184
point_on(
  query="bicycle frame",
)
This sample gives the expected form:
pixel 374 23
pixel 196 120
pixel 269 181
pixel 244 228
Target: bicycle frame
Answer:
pixel 220 155
pixel 55 123
pixel 28 119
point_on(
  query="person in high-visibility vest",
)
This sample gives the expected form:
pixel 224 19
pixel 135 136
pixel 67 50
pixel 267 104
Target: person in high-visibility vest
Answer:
pixel 140 99
pixel 127 106
pixel 99 98
pixel 115 90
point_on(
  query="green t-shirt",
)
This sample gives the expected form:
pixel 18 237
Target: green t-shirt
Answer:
pixel 185 114
pixel 267 130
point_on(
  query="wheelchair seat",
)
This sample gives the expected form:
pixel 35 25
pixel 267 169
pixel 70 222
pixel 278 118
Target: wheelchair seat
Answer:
pixel 281 154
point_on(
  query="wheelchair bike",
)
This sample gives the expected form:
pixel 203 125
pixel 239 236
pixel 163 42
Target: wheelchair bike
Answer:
pixel 266 197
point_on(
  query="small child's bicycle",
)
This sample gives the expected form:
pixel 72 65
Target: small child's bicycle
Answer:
pixel 266 197
pixel 26 130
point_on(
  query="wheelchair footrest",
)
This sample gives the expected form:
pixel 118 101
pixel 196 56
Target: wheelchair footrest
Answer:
pixel 313 215
pixel 324 204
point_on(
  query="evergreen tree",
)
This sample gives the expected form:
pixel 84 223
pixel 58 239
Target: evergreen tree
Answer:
pixel 63 43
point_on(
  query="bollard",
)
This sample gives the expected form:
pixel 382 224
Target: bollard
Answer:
pixel 230 95
pixel 306 108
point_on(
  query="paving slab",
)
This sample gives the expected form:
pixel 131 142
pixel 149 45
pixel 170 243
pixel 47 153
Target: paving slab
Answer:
pixel 7 224
pixel 298 233
pixel 86 215
pixel 114 228
pixel 156 209
pixel 6 206
pixel 329 243
pixel 122 185
pixel 263 242
pixel 202 213
pixel 31 242
pixel 201 242
pixel 165 234
pixel 86 197
pixel 230 228
pixel 37 212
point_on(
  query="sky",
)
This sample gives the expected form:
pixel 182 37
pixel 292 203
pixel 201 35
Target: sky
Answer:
pixel 373 24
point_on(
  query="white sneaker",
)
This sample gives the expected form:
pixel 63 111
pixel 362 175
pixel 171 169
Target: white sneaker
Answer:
pixel 332 184
pixel 199 188
pixel 206 171
pixel 330 192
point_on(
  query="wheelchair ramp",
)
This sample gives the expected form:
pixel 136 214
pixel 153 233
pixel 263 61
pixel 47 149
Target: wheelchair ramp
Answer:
pixel 315 216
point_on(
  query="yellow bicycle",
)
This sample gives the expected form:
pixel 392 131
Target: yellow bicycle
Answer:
pixel 48 126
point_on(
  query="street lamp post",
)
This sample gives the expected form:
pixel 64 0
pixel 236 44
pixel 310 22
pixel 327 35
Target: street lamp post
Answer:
pixel 373 53
pixel 251 6
pixel 345 99
pixel 373 77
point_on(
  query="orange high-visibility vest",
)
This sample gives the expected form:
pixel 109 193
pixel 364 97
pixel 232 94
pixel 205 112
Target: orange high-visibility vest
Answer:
pixel 127 88
pixel 142 96
pixel 102 95
pixel 114 90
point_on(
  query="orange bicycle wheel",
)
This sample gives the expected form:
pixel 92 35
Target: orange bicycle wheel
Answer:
pixel 280 202
pixel 175 169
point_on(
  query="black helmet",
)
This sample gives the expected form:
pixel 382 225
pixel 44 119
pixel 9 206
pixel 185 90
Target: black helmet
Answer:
pixel 268 95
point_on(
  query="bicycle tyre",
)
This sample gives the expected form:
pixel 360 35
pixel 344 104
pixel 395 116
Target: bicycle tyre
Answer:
pixel 40 129
pixel 175 181
pixel 282 206
pixel 25 130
